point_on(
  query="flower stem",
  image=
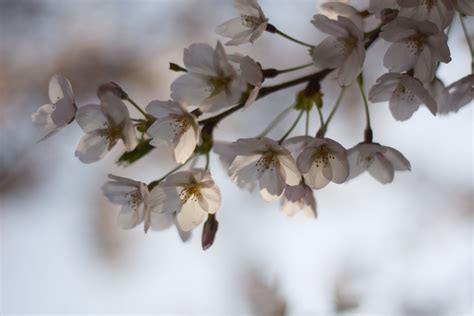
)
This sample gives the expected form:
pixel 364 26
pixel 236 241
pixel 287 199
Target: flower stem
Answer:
pixel 207 161
pixel 137 107
pixel 275 121
pixel 334 109
pixel 156 182
pixel 360 83
pixel 322 127
pixel 306 128
pixel 292 127
pixel 272 29
pixel 272 72
pixel 468 40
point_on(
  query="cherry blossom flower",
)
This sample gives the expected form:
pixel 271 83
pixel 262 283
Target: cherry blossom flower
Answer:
pixel 343 50
pixel 323 160
pixel 135 201
pixel 190 194
pixel 104 125
pixel 60 112
pixel 211 82
pixel 299 198
pixel 174 126
pixel 416 45
pixel 404 93
pixel 440 12
pixel 247 27
pixel 264 161
pixel 465 7
pixel 461 93
pixel 380 161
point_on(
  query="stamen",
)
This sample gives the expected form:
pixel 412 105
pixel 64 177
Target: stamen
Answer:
pixel 322 156
pixel 191 191
pixel 180 123
pixel 266 162
pixel 250 21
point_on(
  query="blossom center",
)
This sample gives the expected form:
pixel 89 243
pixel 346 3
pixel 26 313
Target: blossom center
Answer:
pixel 180 124
pixel 218 84
pixel 322 155
pixel 250 21
pixel 402 92
pixel 347 44
pixel 416 43
pixel 135 200
pixel 429 4
pixel 266 162
pixel 112 134
pixel 191 191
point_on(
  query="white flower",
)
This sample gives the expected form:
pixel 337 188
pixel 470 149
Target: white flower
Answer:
pixel 190 194
pixel 377 6
pixel 135 201
pixel 333 9
pixel 343 50
pixel 417 45
pixel 438 92
pixel 265 161
pixel 211 82
pixel 174 126
pixel 465 7
pixel 299 198
pixel 60 112
pixel 323 160
pixel 252 73
pixel 404 93
pixel 440 12
pixel 104 125
pixel 461 93
pixel 380 161
pixel 247 27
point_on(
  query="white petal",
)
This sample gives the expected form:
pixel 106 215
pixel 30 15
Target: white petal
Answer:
pixel 340 168
pixel 190 89
pixel 350 69
pixel 231 28
pixel 290 170
pixel 305 160
pixel 355 165
pixel 42 118
pixel 64 111
pixel 129 136
pixel 91 148
pixel 163 108
pixel 90 117
pixel 399 57
pixel 421 93
pixel 381 169
pixel 251 71
pixel 191 215
pixel 245 168
pixel 329 53
pixel 185 146
pixel 128 218
pixel 114 108
pixel 425 66
pixel 198 58
pixel 271 184
pixel 117 192
pixel 328 26
pixel 315 179
pixel 210 200
pixel 60 88
pixel 396 159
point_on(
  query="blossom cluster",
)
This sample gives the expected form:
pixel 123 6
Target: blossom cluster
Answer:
pixel 214 84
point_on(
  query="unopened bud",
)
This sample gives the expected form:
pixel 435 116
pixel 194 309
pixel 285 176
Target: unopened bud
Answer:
pixel 209 231
pixel 111 87
pixel 388 15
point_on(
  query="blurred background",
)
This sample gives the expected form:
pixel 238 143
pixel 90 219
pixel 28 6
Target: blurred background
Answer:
pixel 399 249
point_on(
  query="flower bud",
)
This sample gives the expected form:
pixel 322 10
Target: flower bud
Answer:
pixel 388 15
pixel 111 87
pixel 209 231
